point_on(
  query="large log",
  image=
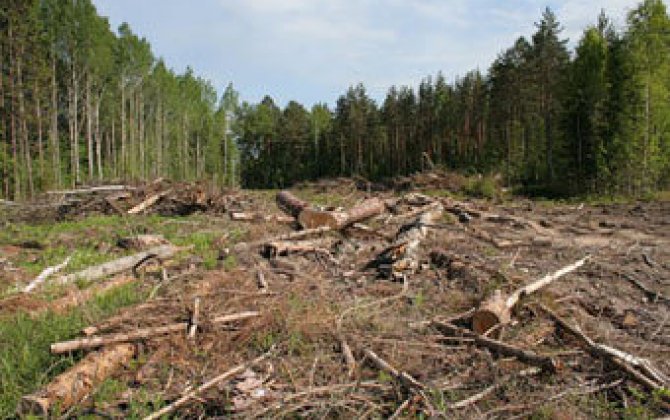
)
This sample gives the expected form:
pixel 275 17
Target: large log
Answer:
pixel 497 309
pixel 69 388
pixel 141 334
pixel 148 202
pixel 290 204
pixel 120 265
pixel 310 218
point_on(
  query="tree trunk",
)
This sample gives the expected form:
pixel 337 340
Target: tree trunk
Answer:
pixel 53 131
pixel 89 128
pixel 98 137
pixel 12 106
pixel 40 137
pixel 24 124
pixel 122 160
pixel 75 129
pixel 290 204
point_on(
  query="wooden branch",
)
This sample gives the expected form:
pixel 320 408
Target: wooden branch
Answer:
pixel 497 309
pixel 148 202
pixel 262 283
pixel 403 377
pixel 544 362
pixel 348 355
pixel 70 387
pixel 120 265
pixel 290 204
pixel 207 385
pixel 45 274
pixel 141 334
pixel 639 369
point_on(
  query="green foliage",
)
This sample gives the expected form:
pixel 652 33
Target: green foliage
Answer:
pixel 481 187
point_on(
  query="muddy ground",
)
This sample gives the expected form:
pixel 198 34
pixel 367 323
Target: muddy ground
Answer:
pixel 317 300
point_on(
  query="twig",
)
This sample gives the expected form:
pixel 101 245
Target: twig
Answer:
pixel 405 378
pixel 207 385
pixel 194 319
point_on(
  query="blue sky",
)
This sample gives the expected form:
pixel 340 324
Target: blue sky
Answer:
pixel 312 50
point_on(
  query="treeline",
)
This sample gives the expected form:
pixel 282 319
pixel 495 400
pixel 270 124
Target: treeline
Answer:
pixel 594 121
pixel 80 103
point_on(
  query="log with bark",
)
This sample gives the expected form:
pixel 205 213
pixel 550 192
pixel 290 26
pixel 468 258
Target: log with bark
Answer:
pixel 139 242
pixel 70 387
pixel 403 255
pixel 141 334
pixel 310 218
pixel 239 216
pixel 92 190
pixel 496 310
pixel 120 265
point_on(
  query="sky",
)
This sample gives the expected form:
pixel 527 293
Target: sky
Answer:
pixel 313 50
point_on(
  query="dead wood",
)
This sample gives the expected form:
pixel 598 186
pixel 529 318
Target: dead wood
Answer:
pixel 141 334
pixel 148 202
pixel 262 283
pixel 80 297
pixel 290 204
pixel 639 369
pixel 91 190
pixel 403 255
pixel 49 271
pixel 404 378
pixel 68 388
pixel 310 218
pixel 526 356
pixel 193 328
pixel 207 385
pixel 497 308
pixel 277 248
pixel 120 265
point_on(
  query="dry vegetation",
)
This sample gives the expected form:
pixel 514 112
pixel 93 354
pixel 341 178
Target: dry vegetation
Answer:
pixel 347 323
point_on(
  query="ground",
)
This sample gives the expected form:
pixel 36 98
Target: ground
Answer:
pixel 316 301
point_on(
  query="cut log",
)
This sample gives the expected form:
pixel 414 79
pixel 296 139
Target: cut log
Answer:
pixel 290 204
pixel 91 190
pixel 403 255
pixel 273 249
pixel 310 218
pixel 120 265
pixel 71 387
pixel 148 202
pixel 497 309
pixel 141 334
pixel 45 275
pixel 80 297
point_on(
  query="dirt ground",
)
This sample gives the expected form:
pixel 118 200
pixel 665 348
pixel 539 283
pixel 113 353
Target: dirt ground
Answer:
pixel 332 296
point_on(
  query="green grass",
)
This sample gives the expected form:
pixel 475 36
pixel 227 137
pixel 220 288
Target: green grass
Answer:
pixel 25 361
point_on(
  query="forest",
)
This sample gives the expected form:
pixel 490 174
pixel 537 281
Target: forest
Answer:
pixel 82 103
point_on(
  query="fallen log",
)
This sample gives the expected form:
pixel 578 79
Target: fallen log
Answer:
pixel 141 334
pixel 80 297
pixel 496 310
pixel 404 378
pixel 104 188
pixel 290 204
pixel 148 202
pixel 276 248
pixel 120 265
pixel 310 218
pixel 207 385
pixel 403 255
pixel 139 242
pixel 45 274
pixel 69 388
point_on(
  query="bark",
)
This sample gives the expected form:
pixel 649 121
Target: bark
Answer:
pixel 53 131
pixel 40 134
pixel 337 220
pixel 497 309
pixel 25 144
pixel 98 139
pixel 89 127
pixel 69 388
pixel 120 265
pixel 122 160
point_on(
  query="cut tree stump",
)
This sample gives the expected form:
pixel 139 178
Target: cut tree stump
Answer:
pixel 497 309
pixel 69 388
pixel 120 265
